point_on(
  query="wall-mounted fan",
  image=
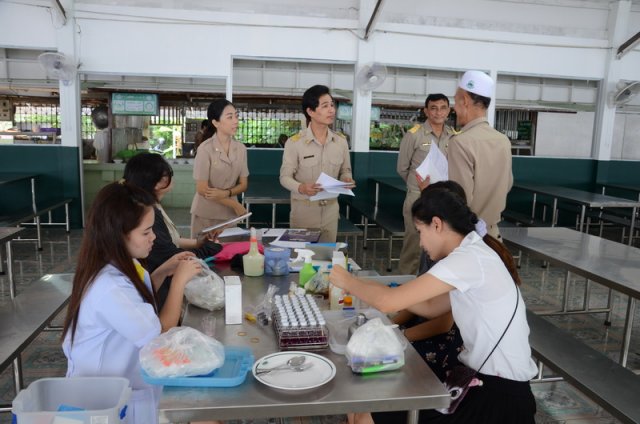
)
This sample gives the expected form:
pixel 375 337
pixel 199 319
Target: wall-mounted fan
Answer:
pixel 58 66
pixel 625 91
pixel 371 76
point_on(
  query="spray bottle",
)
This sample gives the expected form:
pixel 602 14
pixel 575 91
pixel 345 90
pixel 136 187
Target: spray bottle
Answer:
pixel 307 272
pixel 253 262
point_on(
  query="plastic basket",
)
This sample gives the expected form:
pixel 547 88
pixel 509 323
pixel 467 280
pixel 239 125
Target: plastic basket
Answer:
pixel 77 400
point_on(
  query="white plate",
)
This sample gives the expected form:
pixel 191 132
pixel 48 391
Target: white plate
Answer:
pixel 320 372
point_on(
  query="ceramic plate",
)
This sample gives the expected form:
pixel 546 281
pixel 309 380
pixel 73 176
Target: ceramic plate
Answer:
pixel 320 371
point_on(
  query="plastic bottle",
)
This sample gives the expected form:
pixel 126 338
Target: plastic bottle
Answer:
pixel 339 259
pixel 336 298
pixel 307 272
pixel 253 262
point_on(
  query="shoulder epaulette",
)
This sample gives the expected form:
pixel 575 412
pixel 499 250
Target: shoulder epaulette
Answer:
pixel 296 137
pixel 415 128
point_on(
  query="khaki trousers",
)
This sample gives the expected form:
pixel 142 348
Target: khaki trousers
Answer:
pixel 410 254
pixel 321 214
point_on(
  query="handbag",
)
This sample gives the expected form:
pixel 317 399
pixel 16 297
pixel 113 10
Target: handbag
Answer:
pixel 461 378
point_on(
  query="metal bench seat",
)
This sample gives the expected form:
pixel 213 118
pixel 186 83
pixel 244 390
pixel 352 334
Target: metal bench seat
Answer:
pixel 23 216
pixel 392 224
pixel 523 219
pixel 608 383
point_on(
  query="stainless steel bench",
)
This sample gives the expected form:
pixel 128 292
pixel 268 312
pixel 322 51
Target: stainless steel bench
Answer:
pixel 31 216
pixel 608 383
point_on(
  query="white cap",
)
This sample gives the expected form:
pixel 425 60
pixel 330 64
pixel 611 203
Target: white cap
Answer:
pixel 477 82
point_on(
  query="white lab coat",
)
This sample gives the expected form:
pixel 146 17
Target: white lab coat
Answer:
pixel 114 323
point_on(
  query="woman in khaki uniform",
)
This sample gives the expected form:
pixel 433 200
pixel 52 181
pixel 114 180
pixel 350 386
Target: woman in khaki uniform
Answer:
pixel 220 170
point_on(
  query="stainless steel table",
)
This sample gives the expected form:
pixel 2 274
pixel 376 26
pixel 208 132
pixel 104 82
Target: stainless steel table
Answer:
pixel 23 318
pixel 412 387
pixel 611 264
pixel 583 198
pixel 266 190
pixel 7 234
pixel 625 187
pixel 395 183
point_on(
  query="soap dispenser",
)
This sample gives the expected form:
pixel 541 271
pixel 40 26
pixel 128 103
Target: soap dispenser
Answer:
pixel 253 262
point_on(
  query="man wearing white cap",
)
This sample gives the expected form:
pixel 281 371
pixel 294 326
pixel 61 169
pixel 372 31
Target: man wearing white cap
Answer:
pixel 479 156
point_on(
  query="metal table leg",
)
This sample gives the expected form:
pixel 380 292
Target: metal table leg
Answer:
pixel 626 335
pixel 273 215
pixel 633 220
pixel 412 416
pixel 12 283
pixel 17 374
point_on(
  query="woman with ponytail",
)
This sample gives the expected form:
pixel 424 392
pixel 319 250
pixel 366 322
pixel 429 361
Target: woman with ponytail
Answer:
pixel 220 170
pixel 112 313
pixel 475 278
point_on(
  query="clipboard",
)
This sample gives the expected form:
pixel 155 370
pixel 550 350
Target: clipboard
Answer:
pixel 225 223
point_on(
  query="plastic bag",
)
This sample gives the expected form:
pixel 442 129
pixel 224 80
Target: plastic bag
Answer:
pixel 318 284
pixel 374 347
pixel 229 250
pixel 181 352
pixel 205 290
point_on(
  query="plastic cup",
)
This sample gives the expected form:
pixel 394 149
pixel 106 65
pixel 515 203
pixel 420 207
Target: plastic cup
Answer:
pixel 209 325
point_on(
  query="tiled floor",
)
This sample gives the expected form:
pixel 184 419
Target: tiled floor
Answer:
pixel 557 402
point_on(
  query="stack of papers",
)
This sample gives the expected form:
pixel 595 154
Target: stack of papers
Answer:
pixel 331 188
pixel 293 238
pixel 435 165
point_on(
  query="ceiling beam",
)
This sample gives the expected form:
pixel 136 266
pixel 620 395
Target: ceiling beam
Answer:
pixel 373 19
pixel 628 45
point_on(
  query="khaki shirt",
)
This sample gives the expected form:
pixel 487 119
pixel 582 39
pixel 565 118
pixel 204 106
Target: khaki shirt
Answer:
pixel 304 159
pixel 220 171
pixel 414 148
pixel 480 161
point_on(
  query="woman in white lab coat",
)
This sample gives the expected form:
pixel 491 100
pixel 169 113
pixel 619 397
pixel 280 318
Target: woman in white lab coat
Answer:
pixel 112 313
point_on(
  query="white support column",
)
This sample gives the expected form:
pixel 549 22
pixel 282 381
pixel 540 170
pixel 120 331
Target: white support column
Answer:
pixel 605 112
pixel 70 106
pixel 229 87
pixel 491 112
pixel 70 102
pixel 361 112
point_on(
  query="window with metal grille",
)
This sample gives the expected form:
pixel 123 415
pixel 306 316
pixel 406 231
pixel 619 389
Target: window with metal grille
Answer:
pixel 263 126
pixel 33 117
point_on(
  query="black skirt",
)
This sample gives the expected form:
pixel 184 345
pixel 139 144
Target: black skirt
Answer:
pixel 497 401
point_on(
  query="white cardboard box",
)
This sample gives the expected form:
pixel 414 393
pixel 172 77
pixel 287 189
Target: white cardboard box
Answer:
pixel 232 300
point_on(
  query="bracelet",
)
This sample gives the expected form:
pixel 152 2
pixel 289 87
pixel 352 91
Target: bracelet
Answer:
pixel 230 192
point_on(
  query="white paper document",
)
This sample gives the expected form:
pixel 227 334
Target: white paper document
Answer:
pixel 434 165
pixel 233 231
pixel 332 188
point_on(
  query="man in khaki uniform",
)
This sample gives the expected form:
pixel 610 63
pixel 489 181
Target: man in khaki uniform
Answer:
pixel 414 148
pixel 314 150
pixel 479 156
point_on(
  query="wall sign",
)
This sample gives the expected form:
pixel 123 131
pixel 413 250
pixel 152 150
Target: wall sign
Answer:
pixel 134 104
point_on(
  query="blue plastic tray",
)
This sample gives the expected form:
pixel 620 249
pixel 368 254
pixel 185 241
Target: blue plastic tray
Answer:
pixel 237 363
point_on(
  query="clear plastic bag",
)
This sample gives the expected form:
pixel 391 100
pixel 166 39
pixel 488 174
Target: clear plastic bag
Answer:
pixel 206 290
pixel 374 347
pixel 181 352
